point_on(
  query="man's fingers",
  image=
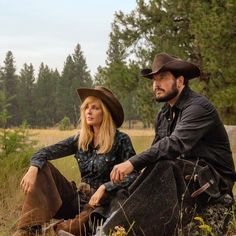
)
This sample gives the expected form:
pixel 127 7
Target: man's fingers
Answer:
pixel 117 175
pixel 121 176
pixel 114 175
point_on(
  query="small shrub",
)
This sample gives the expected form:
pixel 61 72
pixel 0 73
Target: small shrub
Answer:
pixel 65 124
pixel 15 140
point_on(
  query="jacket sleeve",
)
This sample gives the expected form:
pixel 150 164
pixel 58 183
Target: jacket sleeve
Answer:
pixel 195 122
pixel 125 151
pixel 61 149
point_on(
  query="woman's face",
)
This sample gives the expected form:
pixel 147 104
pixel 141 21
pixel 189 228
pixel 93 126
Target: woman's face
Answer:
pixel 94 114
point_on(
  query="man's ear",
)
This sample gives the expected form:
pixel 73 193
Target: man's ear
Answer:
pixel 180 80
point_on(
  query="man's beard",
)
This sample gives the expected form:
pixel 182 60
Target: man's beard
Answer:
pixel 168 96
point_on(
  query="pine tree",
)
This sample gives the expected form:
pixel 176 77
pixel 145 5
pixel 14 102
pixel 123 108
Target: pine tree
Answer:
pixel 45 91
pixel 75 75
pixel 26 95
pixel 9 88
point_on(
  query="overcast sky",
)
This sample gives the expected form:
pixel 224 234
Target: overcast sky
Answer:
pixel 48 30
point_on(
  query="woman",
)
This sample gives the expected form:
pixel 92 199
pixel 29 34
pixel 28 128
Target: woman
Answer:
pixel 97 148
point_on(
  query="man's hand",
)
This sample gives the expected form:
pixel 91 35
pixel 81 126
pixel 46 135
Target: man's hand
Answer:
pixel 119 171
pixel 95 199
pixel 29 179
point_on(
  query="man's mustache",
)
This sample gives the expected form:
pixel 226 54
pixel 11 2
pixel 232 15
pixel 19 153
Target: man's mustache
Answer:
pixel 159 89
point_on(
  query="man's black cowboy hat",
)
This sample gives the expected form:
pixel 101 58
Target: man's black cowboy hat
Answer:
pixel 108 98
pixel 164 62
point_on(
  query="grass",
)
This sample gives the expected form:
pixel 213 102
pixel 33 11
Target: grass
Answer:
pixel 10 174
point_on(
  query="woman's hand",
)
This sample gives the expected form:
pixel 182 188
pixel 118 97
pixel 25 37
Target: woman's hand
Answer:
pixel 95 199
pixel 28 181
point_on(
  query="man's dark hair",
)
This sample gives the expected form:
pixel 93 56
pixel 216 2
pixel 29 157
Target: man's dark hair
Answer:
pixel 177 74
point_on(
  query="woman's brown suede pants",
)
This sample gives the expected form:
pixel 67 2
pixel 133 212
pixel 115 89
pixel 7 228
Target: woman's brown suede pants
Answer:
pixel 52 197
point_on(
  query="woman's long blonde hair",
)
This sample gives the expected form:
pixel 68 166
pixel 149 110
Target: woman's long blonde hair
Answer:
pixel 107 129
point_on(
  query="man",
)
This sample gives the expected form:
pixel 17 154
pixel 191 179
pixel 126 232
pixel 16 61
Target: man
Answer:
pixel 189 165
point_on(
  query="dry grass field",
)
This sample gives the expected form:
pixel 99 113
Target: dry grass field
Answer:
pixel 50 136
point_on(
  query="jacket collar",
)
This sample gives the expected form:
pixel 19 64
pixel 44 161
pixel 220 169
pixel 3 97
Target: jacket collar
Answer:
pixel 179 103
pixel 184 95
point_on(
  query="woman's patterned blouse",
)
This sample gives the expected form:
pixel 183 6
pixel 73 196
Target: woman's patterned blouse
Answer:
pixel 94 168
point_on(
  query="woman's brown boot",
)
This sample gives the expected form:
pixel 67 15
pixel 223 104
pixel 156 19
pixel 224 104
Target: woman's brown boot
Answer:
pixel 76 226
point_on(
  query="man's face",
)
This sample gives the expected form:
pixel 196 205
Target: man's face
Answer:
pixel 165 87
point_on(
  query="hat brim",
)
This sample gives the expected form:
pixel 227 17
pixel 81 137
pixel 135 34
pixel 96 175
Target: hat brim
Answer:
pixel 111 103
pixel 188 70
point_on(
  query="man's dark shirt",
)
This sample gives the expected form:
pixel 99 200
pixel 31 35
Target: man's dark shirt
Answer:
pixel 195 132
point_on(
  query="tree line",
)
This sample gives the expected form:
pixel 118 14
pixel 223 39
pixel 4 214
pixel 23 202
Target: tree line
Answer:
pixel 202 31
pixel 44 100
